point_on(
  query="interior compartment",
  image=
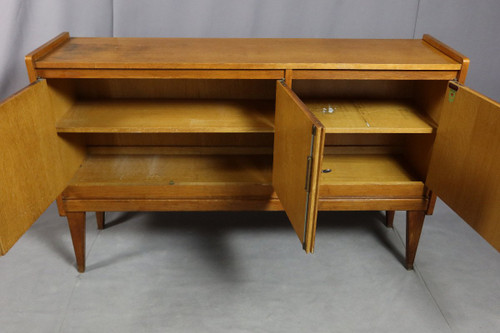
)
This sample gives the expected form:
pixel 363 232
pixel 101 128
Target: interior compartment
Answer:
pixel 379 135
pixel 168 116
pixel 169 139
pixel 368 172
pixel 168 106
pixel 164 172
pixel 378 140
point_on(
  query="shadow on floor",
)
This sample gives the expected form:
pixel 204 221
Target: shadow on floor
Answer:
pixel 209 232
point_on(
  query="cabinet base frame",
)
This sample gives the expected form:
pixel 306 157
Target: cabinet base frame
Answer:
pixel 75 212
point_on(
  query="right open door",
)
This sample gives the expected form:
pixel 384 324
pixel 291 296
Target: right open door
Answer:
pixel 298 150
pixel 465 163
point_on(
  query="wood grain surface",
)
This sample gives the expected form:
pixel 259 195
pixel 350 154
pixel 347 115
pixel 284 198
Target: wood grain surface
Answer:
pixel 292 146
pixel 168 116
pixel 465 164
pixel 36 164
pixel 247 53
pixel 369 116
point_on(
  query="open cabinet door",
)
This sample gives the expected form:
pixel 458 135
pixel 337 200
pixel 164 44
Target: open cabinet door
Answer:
pixel 465 163
pixel 32 172
pixel 298 150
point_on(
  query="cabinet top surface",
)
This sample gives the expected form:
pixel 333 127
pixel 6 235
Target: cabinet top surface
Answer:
pixel 247 53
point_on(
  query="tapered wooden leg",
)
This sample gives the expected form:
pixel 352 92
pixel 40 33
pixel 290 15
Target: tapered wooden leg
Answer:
pixel 76 222
pixel 100 220
pixel 389 218
pixel 414 223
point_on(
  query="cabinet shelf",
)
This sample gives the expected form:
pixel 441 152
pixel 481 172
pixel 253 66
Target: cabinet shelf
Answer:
pixel 168 116
pixel 368 175
pixel 172 175
pixel 369 116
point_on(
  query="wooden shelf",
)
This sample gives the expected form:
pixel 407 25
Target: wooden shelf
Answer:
pixel 168 116
pixel 368 175
pixel 175 175
pixel 369 116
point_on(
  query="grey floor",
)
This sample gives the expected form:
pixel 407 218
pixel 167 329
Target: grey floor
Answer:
pixel 246 272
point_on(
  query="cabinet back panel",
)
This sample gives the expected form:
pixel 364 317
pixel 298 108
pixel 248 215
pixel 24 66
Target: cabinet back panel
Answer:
pixel 62 94
pixel 353 89
pixel 417 152
pixel 429 96
pixel 415 149
pixel 364 139
pixel 175 88
pixel 180 139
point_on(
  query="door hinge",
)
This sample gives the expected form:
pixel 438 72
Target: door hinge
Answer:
pixel 453 85
pixel 308 173
pixel 308 183
pixel 309 161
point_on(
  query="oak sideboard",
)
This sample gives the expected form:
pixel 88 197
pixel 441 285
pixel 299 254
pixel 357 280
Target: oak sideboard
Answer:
pixel 300 125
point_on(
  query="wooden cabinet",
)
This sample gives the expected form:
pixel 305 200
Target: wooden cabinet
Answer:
pixel 303 125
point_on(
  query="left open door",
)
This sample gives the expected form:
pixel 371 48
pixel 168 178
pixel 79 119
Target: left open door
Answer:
pixel 35 163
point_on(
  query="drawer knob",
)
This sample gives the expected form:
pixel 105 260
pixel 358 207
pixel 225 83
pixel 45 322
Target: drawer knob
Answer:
pixel 326 170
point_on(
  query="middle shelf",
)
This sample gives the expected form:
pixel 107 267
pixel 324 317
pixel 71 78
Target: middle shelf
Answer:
pixel 169 116
pixel 369 116
pixel 236 116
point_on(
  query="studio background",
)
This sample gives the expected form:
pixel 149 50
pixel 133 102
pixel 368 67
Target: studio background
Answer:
pixel 471 27
pixel 251 276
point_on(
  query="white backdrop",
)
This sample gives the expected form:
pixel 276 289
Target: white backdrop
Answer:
pixel 472 27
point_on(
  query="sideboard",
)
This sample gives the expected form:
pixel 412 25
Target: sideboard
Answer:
pixel 301 125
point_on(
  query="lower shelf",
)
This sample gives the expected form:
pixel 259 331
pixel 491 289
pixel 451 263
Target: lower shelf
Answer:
pixel 198 176
pixel 368 175
pixel 158 176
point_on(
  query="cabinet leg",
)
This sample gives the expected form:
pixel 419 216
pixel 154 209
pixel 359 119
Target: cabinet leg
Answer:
pixel 76 222
pixel 389 218
pixel 414 223
pixel 100 220
pixel 60 208
pixel 432 203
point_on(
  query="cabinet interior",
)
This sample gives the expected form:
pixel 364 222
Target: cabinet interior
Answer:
pixel 214 137
pixel 170 138
pixel 379 134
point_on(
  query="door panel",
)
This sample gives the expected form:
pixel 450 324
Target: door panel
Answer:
pixel 297 150
pixel 33 171
pixel 465 163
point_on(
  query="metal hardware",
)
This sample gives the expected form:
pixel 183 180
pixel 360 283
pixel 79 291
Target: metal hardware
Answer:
pixel 326 170
pixel 308 173
pixel 330 109
pixel 453 91
pixel 308 183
